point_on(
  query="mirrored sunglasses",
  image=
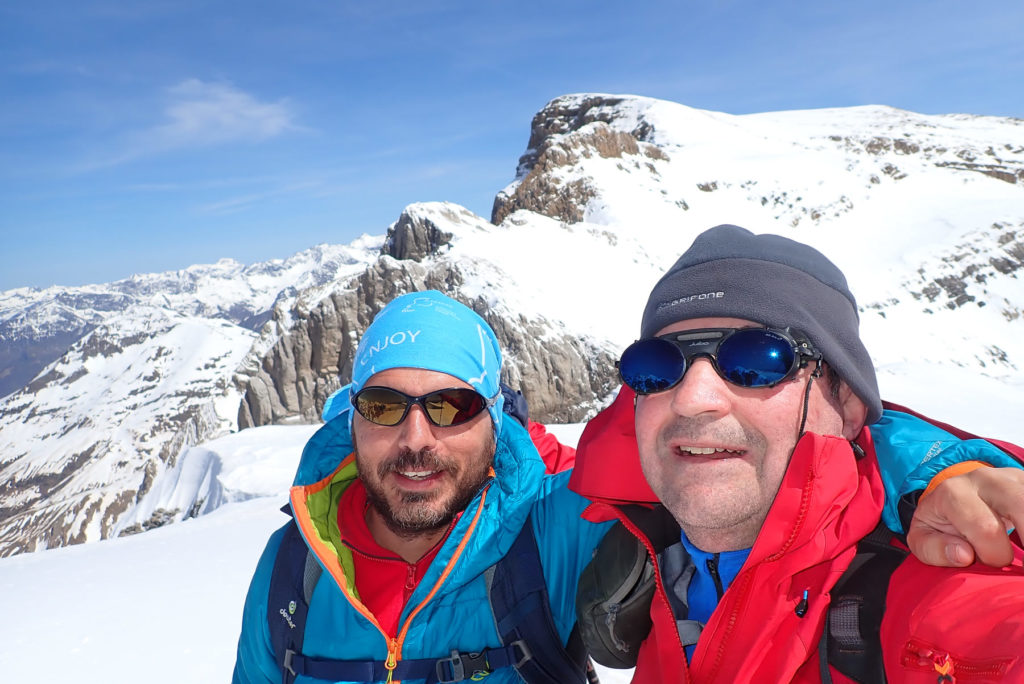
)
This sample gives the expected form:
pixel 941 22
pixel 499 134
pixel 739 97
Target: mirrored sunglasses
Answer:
pixel 746 357
pixel 443 408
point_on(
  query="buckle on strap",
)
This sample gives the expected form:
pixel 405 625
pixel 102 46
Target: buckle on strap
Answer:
pixel 288 655
pixel 460 663
pixel 521 644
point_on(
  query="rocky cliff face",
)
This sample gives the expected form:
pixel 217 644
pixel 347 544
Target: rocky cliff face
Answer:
pixel 561 375
pixel 562 134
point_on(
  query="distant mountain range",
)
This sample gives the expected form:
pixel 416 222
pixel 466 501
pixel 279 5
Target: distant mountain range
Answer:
pixel 106 387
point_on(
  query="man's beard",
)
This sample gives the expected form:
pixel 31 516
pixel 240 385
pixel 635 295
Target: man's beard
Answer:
pixel 413 514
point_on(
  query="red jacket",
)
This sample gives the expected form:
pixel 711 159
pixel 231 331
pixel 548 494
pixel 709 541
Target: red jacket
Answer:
pixel 936 618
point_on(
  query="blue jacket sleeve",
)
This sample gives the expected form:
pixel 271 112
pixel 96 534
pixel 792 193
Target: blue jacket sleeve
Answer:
pixel 912 451
pixel 255 662
pixel 566 543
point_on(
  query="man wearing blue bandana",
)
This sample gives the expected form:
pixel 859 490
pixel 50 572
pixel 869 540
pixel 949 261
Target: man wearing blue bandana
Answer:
pixel 426 534
pixel 407 499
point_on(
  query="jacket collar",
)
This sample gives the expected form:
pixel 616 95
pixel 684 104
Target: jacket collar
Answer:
pixel 506 500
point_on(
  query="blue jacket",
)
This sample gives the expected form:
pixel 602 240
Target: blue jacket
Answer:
pixel 449 609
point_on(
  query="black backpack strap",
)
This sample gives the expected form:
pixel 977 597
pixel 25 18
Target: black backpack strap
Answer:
pixel 292 580
pixel 457 667
pixel 850 641
pixel 522 615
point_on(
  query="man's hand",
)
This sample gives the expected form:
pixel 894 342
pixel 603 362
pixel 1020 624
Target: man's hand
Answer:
pixel 966 517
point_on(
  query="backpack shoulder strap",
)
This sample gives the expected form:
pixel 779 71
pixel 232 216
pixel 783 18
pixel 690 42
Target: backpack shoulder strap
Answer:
pixel 522 615
pixel 851 641
pixel 292 581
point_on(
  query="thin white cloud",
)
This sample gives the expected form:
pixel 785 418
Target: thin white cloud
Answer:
pixel 201 114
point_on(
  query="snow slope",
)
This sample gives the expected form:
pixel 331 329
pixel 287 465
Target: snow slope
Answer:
pixel 162 607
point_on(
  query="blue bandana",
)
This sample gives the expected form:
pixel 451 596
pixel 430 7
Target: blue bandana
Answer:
pixel 431 331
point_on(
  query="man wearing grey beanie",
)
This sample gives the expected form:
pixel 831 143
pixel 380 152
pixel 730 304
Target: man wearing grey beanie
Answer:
pixel 750 392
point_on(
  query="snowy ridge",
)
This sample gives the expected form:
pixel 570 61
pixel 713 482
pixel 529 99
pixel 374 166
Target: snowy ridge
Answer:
pixel 926 236
pixel 226 289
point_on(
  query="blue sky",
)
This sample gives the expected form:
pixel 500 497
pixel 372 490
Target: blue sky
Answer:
pixel 150 135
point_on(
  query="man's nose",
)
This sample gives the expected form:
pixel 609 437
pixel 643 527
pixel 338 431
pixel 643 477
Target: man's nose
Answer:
pixel 701 391
pixel 417 431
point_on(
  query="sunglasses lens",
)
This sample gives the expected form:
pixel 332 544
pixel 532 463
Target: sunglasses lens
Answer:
pixel 651 365
pixel 444 408
pixel 381 406
pixel 453 406
pixel 755 358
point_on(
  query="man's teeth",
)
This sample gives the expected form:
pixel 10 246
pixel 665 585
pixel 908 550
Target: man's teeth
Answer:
pixel 705 451
pixel 417 474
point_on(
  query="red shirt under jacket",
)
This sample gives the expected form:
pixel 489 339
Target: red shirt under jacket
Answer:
pixel 383 579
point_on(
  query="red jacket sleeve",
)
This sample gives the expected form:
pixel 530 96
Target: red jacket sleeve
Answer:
pixel 556 456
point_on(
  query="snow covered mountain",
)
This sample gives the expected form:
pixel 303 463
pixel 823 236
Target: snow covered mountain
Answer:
pixel 136 371
pixel 111 385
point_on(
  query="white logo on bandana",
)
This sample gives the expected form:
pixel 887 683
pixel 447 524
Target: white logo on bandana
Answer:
pixel 392 340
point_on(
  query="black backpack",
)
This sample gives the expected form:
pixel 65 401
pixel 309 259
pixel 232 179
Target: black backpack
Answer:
pixel 851 641
pixel 519 603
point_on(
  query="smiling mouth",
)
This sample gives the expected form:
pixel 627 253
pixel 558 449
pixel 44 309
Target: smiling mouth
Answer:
pixel 417 475
pixel 706 451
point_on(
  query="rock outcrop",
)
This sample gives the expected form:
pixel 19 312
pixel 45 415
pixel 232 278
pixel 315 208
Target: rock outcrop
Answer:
pixel 567 130
pixel 562 376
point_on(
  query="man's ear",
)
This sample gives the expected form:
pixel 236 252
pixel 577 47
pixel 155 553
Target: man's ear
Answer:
pixel 853 410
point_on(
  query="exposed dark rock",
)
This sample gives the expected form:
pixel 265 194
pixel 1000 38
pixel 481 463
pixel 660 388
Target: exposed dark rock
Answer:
pixel 562 133
pixel 967 266
pixel 98 345
pixel 48 509
pixel 313 359
pixel 414 238
pixel 561 376
pixel 32 520
pixel 900 146
pixel 1002 172
pixel 893 172
pixel 43 380
pixel 160 517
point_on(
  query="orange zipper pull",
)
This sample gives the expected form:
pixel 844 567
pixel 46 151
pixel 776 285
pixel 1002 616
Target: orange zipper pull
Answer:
pixel 392 662
pixel 944 668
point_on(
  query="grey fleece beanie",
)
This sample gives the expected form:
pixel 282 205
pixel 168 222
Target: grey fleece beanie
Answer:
pixel 772 280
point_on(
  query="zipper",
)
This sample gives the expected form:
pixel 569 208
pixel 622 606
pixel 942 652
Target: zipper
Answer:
pixel 395 645
pixel 712 564
pixel 392 661
pixel 949 669
pixel 741 584
pixel 333 568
